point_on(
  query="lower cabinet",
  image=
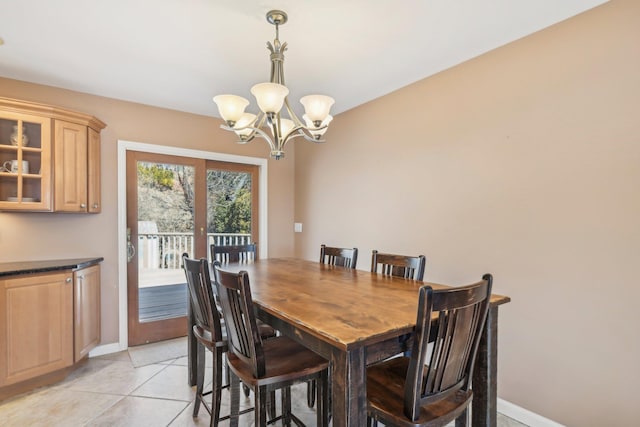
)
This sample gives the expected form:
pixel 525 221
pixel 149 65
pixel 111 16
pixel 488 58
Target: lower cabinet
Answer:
pixel 36 335
pixel 86 311
pixel 48 322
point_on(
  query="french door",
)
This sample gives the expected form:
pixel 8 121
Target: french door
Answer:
pixel 179 205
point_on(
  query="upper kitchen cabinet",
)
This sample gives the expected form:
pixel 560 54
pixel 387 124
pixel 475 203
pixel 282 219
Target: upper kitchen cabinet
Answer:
pixel 49 158
pixel 25 161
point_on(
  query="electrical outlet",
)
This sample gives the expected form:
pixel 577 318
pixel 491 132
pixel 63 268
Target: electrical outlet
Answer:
pixel 297 227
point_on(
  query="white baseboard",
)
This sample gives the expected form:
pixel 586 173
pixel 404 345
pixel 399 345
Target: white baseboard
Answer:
pixel 106 349
pixel 525 416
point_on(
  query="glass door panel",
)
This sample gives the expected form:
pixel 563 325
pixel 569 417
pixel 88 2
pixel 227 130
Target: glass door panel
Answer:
pixel 232 204
pixel 165 232
pixel 24 162
pixel 161 217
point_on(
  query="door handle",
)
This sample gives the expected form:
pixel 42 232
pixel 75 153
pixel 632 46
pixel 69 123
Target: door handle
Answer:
pixel 131 250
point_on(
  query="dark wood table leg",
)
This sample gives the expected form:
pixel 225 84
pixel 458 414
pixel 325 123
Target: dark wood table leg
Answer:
pixel 192 349
pixel 485 375
pixel 348 388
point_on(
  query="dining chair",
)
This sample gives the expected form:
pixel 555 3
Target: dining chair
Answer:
pixel 409 267
pixel 208 331
pixel 266 365
pixel 210 335
pixel 431 387
pixel 243 254
pixel 344 257
pixel 234 253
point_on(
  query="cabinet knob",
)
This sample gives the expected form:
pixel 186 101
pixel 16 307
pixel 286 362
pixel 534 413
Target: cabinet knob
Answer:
pixel 83 205
pixel 95 206
pixel 68 280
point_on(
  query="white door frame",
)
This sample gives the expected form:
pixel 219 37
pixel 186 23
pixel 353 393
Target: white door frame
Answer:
pixel 123 147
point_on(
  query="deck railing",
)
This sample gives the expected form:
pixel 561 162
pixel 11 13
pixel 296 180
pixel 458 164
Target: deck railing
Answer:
pixel 164 250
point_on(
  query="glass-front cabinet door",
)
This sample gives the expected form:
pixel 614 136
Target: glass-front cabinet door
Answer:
pixel 25 159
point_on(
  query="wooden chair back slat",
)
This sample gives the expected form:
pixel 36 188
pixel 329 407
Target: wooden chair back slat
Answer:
pixel 343 257
pixel 409 267
pixel 234 253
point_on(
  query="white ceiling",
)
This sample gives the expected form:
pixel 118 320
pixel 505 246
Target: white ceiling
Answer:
pixel 178 54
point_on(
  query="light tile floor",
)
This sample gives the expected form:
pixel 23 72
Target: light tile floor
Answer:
pixel 110 391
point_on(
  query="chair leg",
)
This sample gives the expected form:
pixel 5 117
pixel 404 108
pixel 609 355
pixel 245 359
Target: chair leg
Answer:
pixel 216 385
pixel 286 406
pixel 311 393
pixel 271 405
pixel 322 391
pixel 260 409
pixel 234 389
pixel 463 418
pixel 199 377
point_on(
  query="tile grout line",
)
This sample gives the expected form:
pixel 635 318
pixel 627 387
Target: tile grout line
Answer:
pixel 122 396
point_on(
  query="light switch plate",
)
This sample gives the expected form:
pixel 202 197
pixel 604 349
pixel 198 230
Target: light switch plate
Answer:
pixel 297 227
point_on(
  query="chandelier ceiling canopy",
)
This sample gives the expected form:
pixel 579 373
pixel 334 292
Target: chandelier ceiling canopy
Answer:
pixel 271 97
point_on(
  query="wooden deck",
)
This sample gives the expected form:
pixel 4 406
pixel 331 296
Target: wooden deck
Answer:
pixel 162 302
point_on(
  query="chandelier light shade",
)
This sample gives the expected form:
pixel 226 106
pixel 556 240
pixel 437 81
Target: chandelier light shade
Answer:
pixel 231 107
pixel 273 103
pixel 321 130
pixel 243 124
pixel 317 107
pixel 270 96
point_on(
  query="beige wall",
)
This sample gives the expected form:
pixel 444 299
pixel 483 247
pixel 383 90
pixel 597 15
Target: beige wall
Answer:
pixel 524 163
pixel 37 236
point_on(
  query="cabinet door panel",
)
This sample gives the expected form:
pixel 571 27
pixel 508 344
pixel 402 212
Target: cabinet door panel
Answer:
pixel 37 326
pixel 70 167
pixel 29 187
pixel 86 310
pixel 93 172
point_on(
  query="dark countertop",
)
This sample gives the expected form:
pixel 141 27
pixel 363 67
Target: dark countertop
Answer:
pixel 28 267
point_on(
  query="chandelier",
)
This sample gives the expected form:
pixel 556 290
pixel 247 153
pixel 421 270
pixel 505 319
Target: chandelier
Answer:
pixel 271 97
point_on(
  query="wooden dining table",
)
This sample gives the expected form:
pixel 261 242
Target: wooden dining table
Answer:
pixel 354 318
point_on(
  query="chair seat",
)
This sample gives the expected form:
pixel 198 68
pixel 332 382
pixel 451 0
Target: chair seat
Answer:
pixel 385 393
pixel 285 360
